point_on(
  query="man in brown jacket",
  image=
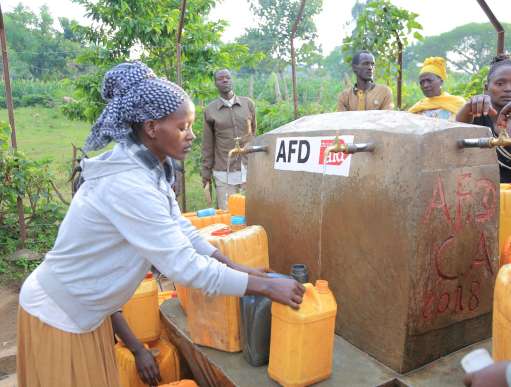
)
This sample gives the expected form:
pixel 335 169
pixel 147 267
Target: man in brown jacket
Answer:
pixel 365 95
pixel 225 119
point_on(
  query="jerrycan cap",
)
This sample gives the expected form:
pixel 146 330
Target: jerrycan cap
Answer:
pixel 222 231
pixel 206 212
pixel 148 275
pixel 322 286
pixel 300 272
pixel 238 220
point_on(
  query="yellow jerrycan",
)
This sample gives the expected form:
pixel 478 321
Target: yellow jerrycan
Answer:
pixel 181 383
pixel 166 357
pixel 505 217
pixel 202 218
pixel 302 341
pixel 236 204
pixel 502 315
pixel 215 321
pixel 142 311
pixel 220 216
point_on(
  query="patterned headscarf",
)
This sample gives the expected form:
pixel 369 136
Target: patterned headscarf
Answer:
pixel 134 94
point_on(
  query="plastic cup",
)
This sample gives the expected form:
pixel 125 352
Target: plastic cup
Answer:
pixel 476 360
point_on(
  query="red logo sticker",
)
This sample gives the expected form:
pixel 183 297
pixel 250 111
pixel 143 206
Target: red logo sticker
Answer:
pixel 334 158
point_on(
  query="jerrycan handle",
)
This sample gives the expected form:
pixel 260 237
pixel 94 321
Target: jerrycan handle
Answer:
pixel 310 293
pixel 315 292
pixel 222 231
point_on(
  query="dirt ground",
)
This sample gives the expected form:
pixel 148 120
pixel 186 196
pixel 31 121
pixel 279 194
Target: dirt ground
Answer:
pixel 8 311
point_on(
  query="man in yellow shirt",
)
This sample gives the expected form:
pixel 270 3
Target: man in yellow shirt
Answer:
pixel 365 95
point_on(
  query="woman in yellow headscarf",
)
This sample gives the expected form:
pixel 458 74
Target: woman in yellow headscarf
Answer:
pixel 438 103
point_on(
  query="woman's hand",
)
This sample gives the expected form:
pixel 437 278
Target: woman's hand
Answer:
pixel 504 118
pixel 477 106
pixel 283 290
pixel 147 367
pixel 480 105
pixel 491 376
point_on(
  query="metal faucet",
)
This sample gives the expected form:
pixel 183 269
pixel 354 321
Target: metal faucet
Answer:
pixel 487 142
pixel 238 150
pixel 338 147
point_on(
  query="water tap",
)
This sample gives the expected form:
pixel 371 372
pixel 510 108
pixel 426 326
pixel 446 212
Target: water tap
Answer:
pixel 503 140
pixel 339 147
pixel 238 150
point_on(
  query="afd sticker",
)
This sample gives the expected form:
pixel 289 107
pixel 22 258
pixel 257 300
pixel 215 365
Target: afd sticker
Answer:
pixel 307 154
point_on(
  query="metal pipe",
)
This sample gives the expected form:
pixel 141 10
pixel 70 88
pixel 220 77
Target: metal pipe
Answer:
pixel 502 140
pixel 498 27
pixel 238 151
pixel 256 148
pixel 349 148
pixel 474 143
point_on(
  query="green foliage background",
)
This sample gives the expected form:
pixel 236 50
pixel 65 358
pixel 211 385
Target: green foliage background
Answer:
pixel 57 68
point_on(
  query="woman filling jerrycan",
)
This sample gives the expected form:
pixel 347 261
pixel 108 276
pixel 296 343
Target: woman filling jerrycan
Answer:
pixel 302 341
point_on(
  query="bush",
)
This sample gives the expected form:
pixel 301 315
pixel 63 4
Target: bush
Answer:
pixel 32 182
pixel 35 93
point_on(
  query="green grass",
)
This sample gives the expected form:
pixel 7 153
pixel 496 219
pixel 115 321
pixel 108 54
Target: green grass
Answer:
pixel 47 133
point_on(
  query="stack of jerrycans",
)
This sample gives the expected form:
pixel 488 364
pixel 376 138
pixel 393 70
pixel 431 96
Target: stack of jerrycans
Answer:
pixel 208 216
pixel 142 314
pixel 215 321
pixel 201 219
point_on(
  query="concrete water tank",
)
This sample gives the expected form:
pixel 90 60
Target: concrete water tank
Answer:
pixel 406 235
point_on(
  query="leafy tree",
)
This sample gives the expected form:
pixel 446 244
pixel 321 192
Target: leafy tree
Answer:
pixel 276 18
pixel 380 28
pixel 36 48
pixel 334 64
pixel 384 29
pixel 123 27
pixel 468 48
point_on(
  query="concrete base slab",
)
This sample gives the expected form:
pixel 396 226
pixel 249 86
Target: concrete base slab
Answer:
pixel 351 366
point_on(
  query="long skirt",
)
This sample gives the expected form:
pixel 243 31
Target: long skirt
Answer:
pixel 49 357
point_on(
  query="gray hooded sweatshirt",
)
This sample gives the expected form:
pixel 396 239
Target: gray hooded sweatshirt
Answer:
pixel 123 219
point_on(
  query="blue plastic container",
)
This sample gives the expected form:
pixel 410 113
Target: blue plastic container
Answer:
pixel 238 220
pixel 206 212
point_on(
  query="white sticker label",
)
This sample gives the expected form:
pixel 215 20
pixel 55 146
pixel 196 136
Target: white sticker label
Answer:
pixel 307 154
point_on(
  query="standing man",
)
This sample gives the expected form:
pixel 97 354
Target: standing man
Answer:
pixel 365 95
pixel 225 119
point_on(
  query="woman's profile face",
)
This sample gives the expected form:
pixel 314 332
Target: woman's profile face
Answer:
pixel 173 135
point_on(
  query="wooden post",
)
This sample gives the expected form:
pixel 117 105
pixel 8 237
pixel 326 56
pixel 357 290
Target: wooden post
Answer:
pixel 179 79
pixel 10 112
pixel 293 57
pixel 399 73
